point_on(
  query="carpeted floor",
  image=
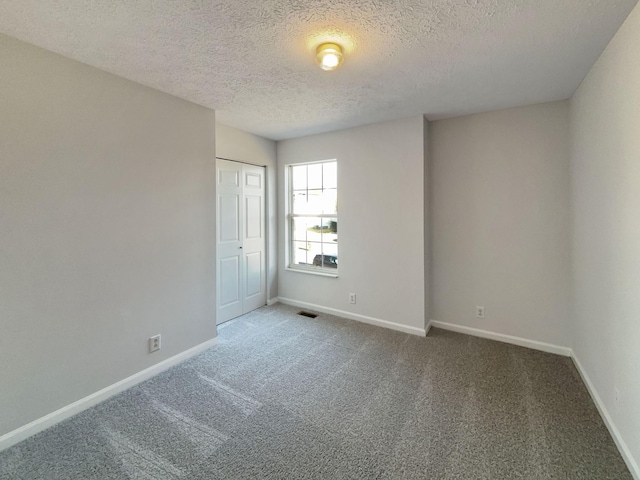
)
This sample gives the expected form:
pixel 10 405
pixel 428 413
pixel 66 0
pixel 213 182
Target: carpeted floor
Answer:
pixel 288 397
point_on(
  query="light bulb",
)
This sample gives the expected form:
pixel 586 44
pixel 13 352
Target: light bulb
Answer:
pixel 330 60
pixel 329 56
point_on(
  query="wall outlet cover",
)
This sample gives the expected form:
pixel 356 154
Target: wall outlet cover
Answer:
pixel 154 343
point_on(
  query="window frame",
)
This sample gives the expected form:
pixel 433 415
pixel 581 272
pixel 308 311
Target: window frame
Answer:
pixel 290 216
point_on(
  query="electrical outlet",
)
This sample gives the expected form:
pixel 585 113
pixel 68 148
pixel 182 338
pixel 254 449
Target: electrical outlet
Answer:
pixel 480 312
pixel 352 298
pixel 154 343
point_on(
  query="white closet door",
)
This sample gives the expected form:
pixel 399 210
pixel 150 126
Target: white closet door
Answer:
pixel 241 262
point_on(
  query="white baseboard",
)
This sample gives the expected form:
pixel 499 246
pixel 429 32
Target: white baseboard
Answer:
pixel 427 328
pixel 522 342
pixel 632 465
pixel 272 301
pixel 355 316
pixel 9 439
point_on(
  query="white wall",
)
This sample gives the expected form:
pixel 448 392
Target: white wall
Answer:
pixel 234 144
pixel 500 232
pixel 605 171
pixel 381 221
pixel 107 229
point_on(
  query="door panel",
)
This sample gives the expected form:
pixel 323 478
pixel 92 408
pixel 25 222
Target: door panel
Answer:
pixel 230 288
pixel 253 273
pixel 229 230
pixel 253 217
pixel 241 265
pixel 229 178
pixel 253 180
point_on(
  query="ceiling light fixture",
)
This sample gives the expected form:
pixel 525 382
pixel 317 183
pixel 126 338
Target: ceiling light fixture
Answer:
pixel 329 56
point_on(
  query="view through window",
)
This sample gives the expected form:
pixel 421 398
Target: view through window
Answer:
pixel 313 216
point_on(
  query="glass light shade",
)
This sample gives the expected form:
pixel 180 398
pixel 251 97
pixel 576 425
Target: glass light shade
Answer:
pixel 329 56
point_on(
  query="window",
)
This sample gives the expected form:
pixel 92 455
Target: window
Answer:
pixel 313 216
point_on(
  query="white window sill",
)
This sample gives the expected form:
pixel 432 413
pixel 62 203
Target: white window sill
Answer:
pixel 312 272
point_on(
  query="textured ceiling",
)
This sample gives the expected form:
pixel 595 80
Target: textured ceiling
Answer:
pixel 253 60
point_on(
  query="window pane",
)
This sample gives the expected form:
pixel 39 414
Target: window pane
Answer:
pixel 314 230
pixel 300 253
pixel 315 253
pixel 307 253
pixel 330 234
pixel 314 176
pixel 306 229
pixel 330 175
pixel 330 249
pixel 329 201
pixel 315 202
pixel 326 260
pixel 299 177
pixel 300 205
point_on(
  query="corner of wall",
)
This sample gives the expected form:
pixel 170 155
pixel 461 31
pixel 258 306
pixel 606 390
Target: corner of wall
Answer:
pixel 427 230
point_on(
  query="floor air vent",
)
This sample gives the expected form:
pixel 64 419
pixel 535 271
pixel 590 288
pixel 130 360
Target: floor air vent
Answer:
pixel 307 314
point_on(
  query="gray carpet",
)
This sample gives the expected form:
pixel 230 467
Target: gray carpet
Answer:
pixel 288 397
